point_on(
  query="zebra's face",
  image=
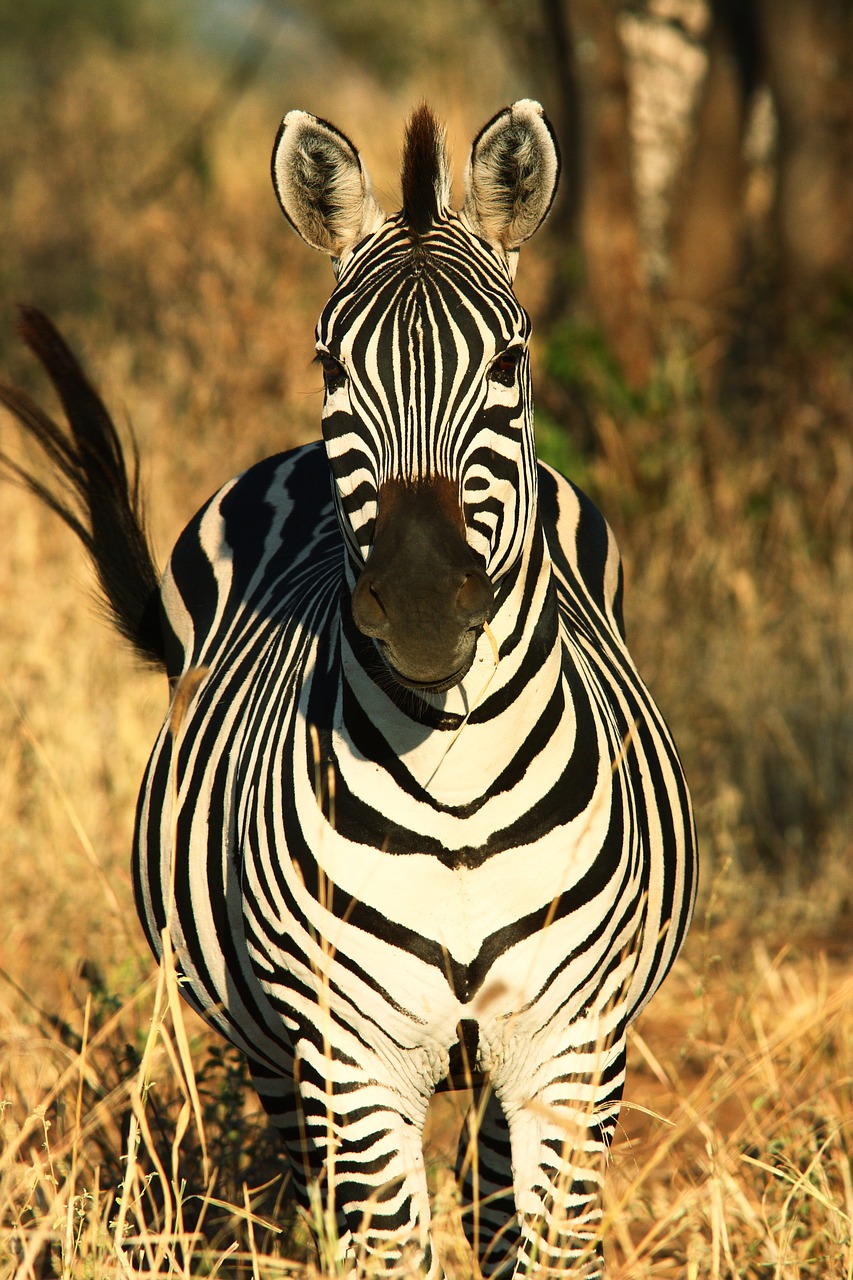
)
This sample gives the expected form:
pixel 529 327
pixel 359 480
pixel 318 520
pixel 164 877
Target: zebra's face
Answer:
pixel 429 432
pixel 424 348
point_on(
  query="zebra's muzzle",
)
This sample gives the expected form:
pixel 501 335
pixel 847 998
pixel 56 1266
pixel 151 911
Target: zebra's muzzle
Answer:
pixel 431 685
pixel 423 595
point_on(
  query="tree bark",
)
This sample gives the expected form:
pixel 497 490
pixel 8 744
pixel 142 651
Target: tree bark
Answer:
pixel 707 222
pixel 809 52
pixel 609 234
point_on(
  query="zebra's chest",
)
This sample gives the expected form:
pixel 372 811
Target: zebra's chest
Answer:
pixel 364 877
pixel 440 941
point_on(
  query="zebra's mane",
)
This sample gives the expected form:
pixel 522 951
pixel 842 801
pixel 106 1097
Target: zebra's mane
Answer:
pixel 426 172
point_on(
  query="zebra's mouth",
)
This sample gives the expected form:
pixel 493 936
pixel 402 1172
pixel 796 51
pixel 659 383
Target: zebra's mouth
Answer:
pixel 430 685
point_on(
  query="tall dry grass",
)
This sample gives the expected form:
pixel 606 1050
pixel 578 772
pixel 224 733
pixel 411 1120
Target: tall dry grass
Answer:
pixel 733 1157
pixel 194 306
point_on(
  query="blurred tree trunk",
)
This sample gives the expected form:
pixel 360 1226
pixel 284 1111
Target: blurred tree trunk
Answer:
pixel 803 51
pixel 574 60
pixel 707 217
pixel 809 55
pixel 608 227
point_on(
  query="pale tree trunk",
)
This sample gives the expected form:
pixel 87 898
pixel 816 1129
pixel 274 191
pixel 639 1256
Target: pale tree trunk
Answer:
pixel 609 233
pixel 809 52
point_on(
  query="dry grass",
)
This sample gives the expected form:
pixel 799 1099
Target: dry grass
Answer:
pixel 195 307
pixel 750 1065
pixel 734 1156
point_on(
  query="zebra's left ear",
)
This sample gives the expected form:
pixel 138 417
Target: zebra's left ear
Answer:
pixel 322 185
pixel 511 178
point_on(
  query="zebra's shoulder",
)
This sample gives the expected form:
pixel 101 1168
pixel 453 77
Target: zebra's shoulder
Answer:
pixel 582 545
pixel 250 537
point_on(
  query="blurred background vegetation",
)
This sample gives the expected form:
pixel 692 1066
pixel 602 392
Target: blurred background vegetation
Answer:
pixel 692 295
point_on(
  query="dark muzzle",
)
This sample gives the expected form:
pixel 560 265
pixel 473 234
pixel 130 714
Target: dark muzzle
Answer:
pixel 423 595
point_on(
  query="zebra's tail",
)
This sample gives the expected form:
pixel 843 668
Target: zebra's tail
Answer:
pixel 92 490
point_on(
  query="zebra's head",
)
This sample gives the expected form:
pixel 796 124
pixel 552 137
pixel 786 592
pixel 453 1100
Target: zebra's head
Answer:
pixel 428 414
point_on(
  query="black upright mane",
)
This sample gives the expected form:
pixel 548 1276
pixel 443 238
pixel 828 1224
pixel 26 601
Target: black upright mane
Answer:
pixel 422 155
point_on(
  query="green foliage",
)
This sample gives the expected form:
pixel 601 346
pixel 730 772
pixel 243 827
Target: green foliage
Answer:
pixel 579 359
pixel 828 325
pixel 555 446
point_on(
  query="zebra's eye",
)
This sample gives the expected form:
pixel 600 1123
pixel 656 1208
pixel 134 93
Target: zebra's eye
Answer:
pixel 505 366
pixel 334 373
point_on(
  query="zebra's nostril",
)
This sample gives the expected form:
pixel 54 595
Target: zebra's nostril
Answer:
pixel 475 600
pixel 368 608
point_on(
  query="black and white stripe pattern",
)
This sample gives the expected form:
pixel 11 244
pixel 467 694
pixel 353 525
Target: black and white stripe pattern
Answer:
pixel 379 882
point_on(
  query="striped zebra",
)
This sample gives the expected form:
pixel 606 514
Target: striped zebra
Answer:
pixel 421 825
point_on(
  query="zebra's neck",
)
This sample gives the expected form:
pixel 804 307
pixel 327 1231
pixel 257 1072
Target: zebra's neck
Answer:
pixel 453 743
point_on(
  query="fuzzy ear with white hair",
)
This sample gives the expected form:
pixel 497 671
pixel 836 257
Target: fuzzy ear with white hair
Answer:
pixel 322 185
pixel 511 178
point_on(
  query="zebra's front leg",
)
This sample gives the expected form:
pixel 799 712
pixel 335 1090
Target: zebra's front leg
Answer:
pixel 560 1136
pixel 363 1145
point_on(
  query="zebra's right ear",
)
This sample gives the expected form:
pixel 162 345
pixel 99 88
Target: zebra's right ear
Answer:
pixel 322 186
pixel 512 176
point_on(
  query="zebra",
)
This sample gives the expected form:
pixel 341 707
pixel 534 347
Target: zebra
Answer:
pixel 417 823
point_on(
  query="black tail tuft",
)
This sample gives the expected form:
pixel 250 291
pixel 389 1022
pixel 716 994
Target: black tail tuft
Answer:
pixel 101 503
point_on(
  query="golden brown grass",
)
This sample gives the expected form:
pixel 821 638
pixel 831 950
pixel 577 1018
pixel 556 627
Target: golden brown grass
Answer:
pixel 194 306
pixel 733 1159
